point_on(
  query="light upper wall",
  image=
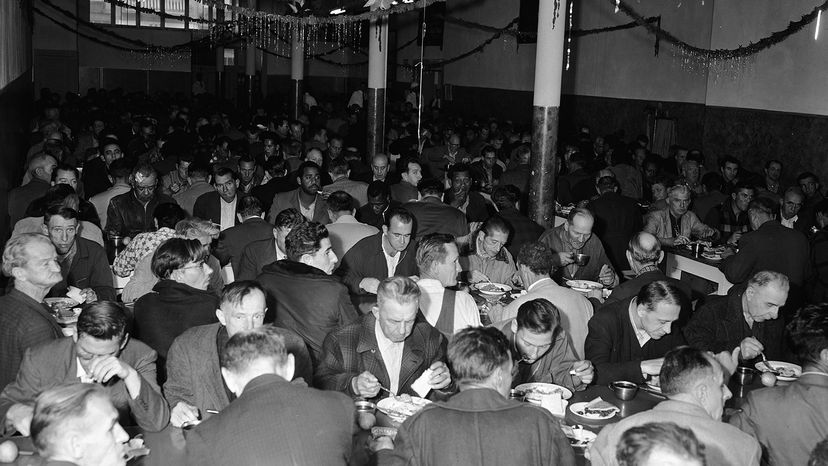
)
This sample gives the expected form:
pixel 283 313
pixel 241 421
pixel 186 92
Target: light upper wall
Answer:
pixel 15 42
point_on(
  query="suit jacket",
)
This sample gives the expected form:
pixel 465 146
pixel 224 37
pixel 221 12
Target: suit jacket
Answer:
pixel 478 427
pixel 617 218
pixel 788 421
pixel 89 269
pixel 356 189
pixel 21 196
pixel 345 232
pixel 306 300
pixel 658 224
pixel 275 422
pixel 193 370
pixel 95 177
pixel 476 208
pixel 24 323
pixel 208 207
pixel 724 445
pixel 431 215
pixel 719 325
pixel 255 256
pixel 266 192
pixel 367 259
pixel 613 348
pixel 524 230
pixel 187 198
pixel 56 362
pixel 630 288
pixel 555 239
pixel 353 349
pixel 232 241
pixel 771 247
pixel 126 216
pixel 282 201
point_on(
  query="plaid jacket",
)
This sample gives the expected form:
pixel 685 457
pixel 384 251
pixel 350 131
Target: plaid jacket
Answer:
pixel 723 219
pixel 353 349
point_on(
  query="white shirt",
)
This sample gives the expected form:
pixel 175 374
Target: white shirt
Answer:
pixel 308 213
pixel 391 353
pixel 228 213
pixel 641 334
pixel 466 313
pixel 82 375
pixel 391 261
pixel 533 285
pixel 789 222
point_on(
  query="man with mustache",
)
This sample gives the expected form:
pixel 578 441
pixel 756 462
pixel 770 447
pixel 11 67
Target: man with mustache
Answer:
pixel 306 198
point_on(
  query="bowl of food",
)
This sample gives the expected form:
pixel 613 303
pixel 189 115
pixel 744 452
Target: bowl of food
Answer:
pixel 624 390
pixel 492 289
pixel 584 286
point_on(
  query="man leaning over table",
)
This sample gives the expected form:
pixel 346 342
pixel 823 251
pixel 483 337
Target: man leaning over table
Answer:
pixel 479 425
pixel 676 224
pixel 534 267
pixel 194 385
pixel 695 384
pixel 627 340
pixel 541 350
pixel 789 420
pixel 100 352
pixel 390 347
pixel 575 237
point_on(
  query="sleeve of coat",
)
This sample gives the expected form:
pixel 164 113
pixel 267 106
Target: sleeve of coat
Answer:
pixel 347 311
pixel 221 251
pixel 179 385
pixel 100 277
pixel 149 408
pixel 403 453
pixel 247 266
pixel 700 331
pixel 333 373
pixel 598 348
pixel 737 268
pixel 349 271
pixel 114 221
pixel 26 386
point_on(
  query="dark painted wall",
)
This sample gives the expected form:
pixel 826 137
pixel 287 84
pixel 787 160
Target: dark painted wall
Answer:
pixel 15 114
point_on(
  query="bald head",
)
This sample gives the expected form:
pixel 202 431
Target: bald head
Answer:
pixel 643 249
pixel 42 166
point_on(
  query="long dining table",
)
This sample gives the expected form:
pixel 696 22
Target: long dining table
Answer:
pixel 680 260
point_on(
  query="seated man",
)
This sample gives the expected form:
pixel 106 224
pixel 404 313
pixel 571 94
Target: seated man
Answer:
pixel 523 230
pixel 617 217
pixel 358 190
pixel 256 367
pixel 730 218
pixel 514 433
pixel 541 348
pixel 433 216
pixel 101 352
pixel 375 212
pixel 695 384
pixel 627 340
pixel 82 262
pixel 534 267
pixel 306 198
pixel 659 443
pixel 390 347
pixel 260 253
pixel 386 254
pixel 449 311
pixel 411 172
pixel 575 237
pixel 302 295
pixel 165 216
pixel 789 420
pixel 193 385
pixel 77 425
pixel 252 227
pixel 746 318
pixel 460 195
pixel 676 225
pixel 219 206
pixel 25 321
pixel 487 259
pixel 345 229
pixel 644 254
pixel 131 213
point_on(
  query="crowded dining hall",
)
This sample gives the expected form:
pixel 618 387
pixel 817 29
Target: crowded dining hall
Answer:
pixel 413 232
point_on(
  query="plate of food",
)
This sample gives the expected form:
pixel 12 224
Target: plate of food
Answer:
pixel 785 371
pixel 535 390
pixel 584 286
pixel 712 256
pixel 399 408
pixel 578 436
pixel 595 410
pixel 68 316
pixel 492 289
pixel 59 304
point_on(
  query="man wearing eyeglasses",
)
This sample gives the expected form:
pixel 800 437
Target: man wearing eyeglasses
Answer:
pixel 131 213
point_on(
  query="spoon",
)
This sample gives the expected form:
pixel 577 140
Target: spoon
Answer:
pixel 767 364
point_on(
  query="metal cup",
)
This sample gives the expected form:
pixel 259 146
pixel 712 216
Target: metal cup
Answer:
pixel 698 249
pixel 517 395
pixel 745 375
pixel 581 259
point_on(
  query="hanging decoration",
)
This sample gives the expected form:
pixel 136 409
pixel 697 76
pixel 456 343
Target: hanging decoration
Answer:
pixel 378 4
pixel 315 21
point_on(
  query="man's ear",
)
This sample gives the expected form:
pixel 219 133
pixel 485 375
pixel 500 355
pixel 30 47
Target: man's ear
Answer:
pixel 306 259
pixel 44 229
pixel 660 257
pixel 123 343
pixel 514 326
pixel 289 369
pixel 230 380
pixel 220 316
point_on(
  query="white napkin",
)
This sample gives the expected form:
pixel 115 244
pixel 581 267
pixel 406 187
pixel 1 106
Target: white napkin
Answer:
pixel 421 385
pixel 554 404
pixel 75 294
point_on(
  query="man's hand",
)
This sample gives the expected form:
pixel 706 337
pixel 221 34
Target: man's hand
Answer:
pixel 606 276
pixel 441 377
pixel 89 295
pixel 751 348
pixel 651 366
pixel 381 443
pixel 566 258
pixel 729 360
pixel 369 284
pixel 365 385
pixel 183 413
pixel 679 240
pixel 478 276
pixel 734 238
pixel 104 369
pixel 19 416
pixel 584 371
pixel 727 253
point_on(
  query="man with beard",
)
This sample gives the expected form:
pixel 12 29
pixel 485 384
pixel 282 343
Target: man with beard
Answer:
pixel 575 237
pixel 83 263
pixel 306 198
pixel 219 206
pixel 131 213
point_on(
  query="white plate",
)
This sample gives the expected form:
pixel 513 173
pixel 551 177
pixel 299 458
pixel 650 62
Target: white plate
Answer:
pixel 399 410
pixel 578 409
pixel 61 302
pixel 584 286
pixel 579 438
pixel 502 289
pixel 760 366
pixel 544 389
pixel 712 257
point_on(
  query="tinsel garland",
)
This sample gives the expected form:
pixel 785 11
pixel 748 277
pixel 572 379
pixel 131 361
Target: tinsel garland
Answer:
pixel 319 20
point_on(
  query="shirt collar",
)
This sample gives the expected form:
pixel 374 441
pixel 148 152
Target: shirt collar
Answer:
pixel 536 284
pixel 640 333
pixel 347 219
